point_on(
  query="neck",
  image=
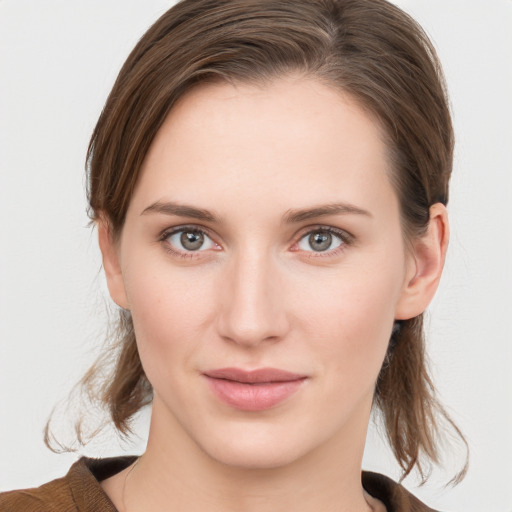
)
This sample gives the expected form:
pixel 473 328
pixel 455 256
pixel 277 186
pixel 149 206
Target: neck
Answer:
pixel 181 476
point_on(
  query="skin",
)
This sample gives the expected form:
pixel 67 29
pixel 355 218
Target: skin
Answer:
pixel 257 295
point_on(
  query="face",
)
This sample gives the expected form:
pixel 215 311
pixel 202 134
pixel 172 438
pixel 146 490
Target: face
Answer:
pixel 263 262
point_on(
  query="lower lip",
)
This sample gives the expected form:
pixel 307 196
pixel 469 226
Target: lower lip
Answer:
pixel 253 397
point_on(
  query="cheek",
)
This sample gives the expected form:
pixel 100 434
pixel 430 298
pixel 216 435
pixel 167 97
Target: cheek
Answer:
pixel 341 316
pixel 170 310
pixel 349 316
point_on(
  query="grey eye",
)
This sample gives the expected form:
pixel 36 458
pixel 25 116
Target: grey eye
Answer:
pixel 320 241
pixel 190 240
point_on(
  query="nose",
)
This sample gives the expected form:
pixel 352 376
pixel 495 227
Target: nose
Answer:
pixel 252 302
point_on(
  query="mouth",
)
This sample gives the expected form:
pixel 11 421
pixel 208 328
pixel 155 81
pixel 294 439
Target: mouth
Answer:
pixel 255 390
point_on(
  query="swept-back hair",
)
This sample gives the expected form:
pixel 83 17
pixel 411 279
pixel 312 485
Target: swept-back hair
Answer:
pixel 368 49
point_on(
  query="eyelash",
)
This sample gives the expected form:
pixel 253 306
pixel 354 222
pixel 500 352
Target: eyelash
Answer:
pixel 346 240
pixel 180 229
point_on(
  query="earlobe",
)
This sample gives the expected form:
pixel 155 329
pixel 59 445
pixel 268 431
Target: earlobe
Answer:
pixel 426 265
pixel 111 264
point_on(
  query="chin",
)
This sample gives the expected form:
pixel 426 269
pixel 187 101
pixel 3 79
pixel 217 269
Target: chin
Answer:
pixel 254 456
pixel 260 444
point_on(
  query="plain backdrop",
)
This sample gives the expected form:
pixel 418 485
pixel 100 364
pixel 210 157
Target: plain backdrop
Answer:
pixel 58 60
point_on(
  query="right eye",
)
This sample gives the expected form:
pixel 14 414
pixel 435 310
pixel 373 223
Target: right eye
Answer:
pixel 189 240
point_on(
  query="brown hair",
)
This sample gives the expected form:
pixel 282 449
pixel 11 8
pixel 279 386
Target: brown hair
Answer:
pixel 369 49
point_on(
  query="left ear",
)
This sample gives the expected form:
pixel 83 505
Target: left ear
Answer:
pixel 425 267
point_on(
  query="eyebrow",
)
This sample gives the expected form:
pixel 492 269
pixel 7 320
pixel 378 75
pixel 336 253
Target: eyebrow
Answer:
pixel 290 217
pixel 181 210
pixel 294 216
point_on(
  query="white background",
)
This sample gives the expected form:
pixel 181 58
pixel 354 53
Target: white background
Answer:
pixel 58 60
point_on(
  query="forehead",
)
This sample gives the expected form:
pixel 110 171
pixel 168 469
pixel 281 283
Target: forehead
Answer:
pixel 294 136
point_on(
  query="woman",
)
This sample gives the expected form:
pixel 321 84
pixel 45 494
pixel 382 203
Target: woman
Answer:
pixel 269 181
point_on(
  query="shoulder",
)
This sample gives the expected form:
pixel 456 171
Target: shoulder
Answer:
pixel 78 491
pixel 53 496
pixel 395 497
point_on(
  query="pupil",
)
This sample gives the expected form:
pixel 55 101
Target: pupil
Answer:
pixel 192 241
pixel 320 241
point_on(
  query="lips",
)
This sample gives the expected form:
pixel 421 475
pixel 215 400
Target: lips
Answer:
pixel 255 390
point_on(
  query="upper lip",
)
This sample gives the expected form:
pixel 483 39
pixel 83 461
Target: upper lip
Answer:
pixel 259 375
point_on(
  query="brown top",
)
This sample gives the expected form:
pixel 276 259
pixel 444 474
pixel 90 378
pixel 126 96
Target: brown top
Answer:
pixel 80 491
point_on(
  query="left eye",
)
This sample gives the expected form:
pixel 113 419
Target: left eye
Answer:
pixel 190 240
pixel 320 240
